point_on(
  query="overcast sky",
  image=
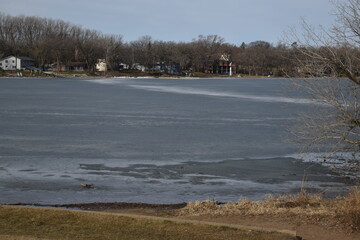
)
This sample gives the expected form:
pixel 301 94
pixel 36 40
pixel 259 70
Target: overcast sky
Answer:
pixel 181 20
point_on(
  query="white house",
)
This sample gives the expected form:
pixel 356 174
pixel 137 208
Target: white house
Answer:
pixel 123 66
pixel 138 66
pixel 101 65
pixel 13 63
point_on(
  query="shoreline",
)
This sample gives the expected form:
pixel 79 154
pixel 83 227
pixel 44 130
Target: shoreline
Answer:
pixel 139 76
pixel 85 76
pixel 114 205
pixel 106 205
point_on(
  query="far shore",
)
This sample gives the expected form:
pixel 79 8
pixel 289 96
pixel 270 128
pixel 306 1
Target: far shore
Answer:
pixel 47 74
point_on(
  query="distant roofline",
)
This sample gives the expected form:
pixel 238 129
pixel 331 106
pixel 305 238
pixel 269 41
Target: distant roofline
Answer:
pixel 20 57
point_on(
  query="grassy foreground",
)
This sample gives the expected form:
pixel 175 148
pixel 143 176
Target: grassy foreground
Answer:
pixel 28 223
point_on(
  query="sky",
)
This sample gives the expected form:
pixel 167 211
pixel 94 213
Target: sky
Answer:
pixel 182 20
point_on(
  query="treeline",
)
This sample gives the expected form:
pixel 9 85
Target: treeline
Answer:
pixel 49 41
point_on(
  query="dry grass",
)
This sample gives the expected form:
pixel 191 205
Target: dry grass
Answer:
pixel 9 237
pixel 345 210
pixel 24 223
pixel 348 210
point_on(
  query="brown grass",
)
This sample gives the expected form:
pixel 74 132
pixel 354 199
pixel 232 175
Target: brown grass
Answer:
pixel 29 223
pixel 345 210
pixel 348 210
pixel 9 237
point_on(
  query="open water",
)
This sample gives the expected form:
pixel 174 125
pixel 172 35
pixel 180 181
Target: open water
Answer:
pixel 152 140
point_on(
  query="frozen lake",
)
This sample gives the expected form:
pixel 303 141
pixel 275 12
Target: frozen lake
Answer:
pixel 151 140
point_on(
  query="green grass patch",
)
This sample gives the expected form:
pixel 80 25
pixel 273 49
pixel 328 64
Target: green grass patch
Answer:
pixel 29 223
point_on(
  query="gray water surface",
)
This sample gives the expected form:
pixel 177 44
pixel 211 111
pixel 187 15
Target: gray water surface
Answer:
pixel 152 140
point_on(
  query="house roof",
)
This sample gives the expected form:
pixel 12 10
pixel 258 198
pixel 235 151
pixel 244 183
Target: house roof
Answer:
pixel 26 58
pixel 20 57
pixel 6 58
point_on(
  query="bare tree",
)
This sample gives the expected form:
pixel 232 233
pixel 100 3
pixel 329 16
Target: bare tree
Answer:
pixel 142 50
pixel 207 49
pixel 334 53
pixel 113 50
pixel 51 41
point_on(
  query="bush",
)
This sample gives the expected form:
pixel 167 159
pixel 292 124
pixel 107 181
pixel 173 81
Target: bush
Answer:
pixel 349 210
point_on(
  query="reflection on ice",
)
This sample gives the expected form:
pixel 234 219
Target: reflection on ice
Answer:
pixel 203 92
pixel 193 91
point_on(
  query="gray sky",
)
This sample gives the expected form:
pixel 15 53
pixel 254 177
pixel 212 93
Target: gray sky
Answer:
pixel 181 20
